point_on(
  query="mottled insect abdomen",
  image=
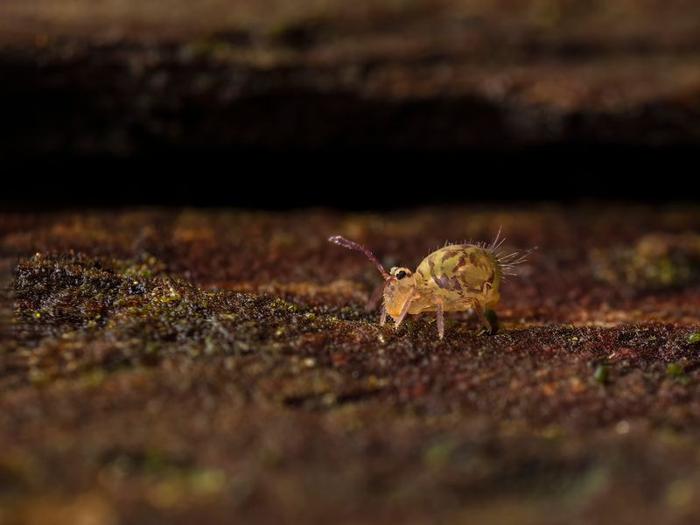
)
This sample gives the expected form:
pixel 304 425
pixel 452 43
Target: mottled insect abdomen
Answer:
pixel 459 272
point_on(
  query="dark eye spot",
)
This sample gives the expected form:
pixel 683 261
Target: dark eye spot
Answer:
pixel 400 275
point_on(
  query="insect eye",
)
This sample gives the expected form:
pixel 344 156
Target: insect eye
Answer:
pixel 401 274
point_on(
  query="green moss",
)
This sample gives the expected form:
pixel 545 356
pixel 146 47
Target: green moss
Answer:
pixel 170 478
pixel 676 371
pixel 93 378
pixel 694 338
pixel 206 481
pixel 295 32
pixel 142 319
pixel 655 262
pixel 439 453
pixel 601 374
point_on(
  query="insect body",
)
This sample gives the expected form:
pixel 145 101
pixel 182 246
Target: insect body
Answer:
pixel 455 278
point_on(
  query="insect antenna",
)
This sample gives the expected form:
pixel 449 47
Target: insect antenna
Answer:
pixel 350 245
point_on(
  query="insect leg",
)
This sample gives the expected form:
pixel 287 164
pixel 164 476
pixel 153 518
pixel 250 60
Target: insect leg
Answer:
pixel 382 317
pixel 402 315
pixel 482 318
pixel 493 319
pixel 440 319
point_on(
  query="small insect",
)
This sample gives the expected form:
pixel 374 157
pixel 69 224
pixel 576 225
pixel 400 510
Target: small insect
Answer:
pixel 455 278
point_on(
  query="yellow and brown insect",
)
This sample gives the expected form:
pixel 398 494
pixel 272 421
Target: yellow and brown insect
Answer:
pixel 457 277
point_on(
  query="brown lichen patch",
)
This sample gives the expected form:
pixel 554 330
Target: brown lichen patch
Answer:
pixel 222 366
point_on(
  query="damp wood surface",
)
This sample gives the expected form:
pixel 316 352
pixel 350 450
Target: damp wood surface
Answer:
pixel 165 366
pixel 122 76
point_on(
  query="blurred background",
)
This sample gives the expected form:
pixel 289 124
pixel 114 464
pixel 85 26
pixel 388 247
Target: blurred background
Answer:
pixel 346 103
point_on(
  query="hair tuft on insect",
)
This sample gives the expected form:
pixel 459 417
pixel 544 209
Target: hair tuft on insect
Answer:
pixel 497 242
pixel 509 262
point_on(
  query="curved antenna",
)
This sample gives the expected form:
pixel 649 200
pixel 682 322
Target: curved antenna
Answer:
pixel 350 245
